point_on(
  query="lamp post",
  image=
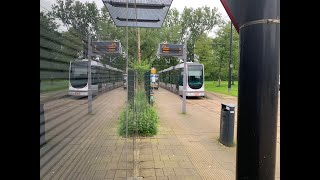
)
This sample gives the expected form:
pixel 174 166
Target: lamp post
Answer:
pixel 185 73
pixel 89 75
pixel 230 62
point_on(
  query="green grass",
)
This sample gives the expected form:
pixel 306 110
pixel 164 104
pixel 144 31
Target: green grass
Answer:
pixel 55 85
pixel 212 86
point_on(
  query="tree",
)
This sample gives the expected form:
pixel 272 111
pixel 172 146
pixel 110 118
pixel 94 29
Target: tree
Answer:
pixel 171 28
pixel 203 48
pixel 47 22
pixel 72 43
pixel 83 18
pixel 52 66
pixel 197 21
pixel 221 45
pixel 175 27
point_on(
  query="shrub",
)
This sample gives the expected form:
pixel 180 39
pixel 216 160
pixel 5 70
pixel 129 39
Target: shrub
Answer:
pixel 142 118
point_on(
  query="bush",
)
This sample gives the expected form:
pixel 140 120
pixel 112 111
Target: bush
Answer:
pixel 142 118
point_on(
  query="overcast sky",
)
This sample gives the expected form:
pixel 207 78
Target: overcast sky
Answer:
pixel 179 4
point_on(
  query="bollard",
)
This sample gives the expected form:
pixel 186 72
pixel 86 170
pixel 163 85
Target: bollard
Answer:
pixel 227 124
pixel 151 100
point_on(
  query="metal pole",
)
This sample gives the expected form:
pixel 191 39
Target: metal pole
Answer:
pixel 139 55
pixel 258 90
pixel 89 76
pixel 184 76
pixel 127 72
pixel 230 62
pixel 127 107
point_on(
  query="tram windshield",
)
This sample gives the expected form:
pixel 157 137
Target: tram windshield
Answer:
pixel 195 76
pixel 79 74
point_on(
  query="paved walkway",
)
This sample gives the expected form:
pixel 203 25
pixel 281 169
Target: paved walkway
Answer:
pixel 82 146
pixel 49 96
pixel 197 133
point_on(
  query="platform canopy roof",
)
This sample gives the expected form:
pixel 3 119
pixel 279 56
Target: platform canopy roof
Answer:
pixel 140 13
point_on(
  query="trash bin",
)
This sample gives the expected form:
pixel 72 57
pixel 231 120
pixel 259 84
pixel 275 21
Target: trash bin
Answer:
pixel 227 124
pixel 42 127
